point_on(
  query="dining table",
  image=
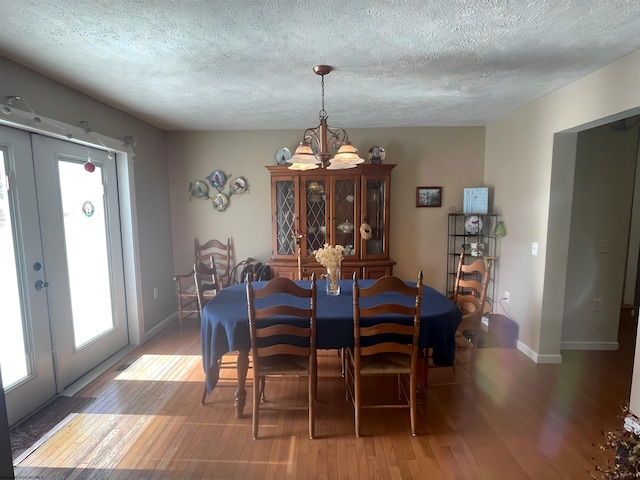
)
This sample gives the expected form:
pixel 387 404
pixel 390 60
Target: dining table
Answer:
pixel 225 327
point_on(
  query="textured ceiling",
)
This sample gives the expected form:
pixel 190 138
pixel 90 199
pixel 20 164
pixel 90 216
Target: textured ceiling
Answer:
pixel 247 64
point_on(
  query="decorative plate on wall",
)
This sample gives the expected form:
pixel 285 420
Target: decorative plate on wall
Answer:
pixel 238 185
pixel 217 179
pixel 198 189
pixel 220 202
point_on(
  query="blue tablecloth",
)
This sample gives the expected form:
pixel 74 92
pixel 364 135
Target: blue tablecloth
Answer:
pixel 225 324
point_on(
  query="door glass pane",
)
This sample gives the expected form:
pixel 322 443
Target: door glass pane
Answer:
pixel 13 352
pixel 285 216
pixel 375 216
pixel 316 207
pixel 345 215
pixel 85 234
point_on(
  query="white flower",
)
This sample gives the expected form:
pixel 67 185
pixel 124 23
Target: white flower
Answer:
pixel 330 256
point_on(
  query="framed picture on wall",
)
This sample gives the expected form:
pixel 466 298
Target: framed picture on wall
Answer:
pixel 428 196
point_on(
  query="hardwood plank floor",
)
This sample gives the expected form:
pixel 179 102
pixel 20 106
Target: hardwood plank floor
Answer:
pixel 530 422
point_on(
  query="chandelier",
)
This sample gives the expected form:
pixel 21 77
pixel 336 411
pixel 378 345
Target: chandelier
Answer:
pixel 313 151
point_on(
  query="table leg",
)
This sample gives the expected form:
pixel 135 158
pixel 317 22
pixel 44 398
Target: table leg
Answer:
pixel 242 367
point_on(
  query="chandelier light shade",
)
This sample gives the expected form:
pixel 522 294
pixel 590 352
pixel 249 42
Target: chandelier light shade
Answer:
pixel 313 151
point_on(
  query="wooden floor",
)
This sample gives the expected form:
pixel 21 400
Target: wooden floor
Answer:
pixel 531 422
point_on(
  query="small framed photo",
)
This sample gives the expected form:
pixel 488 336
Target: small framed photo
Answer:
pixel 428 196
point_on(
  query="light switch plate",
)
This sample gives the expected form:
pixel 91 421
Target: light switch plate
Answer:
pixel 603 245
pixel 534 249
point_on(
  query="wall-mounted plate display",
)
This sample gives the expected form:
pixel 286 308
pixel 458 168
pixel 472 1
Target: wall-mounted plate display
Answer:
pixel 217 179
pixel 220 202
pixel 198 189
pixel 238 185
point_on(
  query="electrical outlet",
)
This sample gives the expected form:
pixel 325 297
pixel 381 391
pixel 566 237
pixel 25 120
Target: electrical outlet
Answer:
pixel 155 293
pixel 596 305
pixel 506 296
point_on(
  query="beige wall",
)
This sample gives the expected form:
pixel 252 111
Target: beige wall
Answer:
pixel 602 199
pixel 533 183
pixel 449 157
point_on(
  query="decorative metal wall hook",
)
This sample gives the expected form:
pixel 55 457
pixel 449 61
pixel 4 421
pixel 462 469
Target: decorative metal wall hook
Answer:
pixel 11 99
pixel 85 125
pixel 131 142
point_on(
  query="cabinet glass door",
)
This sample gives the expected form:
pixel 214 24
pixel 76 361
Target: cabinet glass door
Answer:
pixel 376 216
pixel 316 214
pixel 344 214
pixel 285 217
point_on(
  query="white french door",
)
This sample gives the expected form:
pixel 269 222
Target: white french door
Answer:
pixel 70 314
pixel 25 340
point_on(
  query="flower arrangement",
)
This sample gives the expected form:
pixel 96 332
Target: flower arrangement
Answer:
pixel 330 256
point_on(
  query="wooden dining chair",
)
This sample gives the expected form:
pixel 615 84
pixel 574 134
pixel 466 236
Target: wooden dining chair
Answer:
pixel 214 251
pixel 385 349
pixel 210 252
pixel 186 296
pixel 283 341
pixel 470 295
pixel 206 281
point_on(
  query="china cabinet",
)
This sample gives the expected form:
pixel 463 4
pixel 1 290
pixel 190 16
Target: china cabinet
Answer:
pixel 340 207
pixel 473 234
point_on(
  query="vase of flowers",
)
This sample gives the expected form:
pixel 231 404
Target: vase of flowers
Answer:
pixel 331 257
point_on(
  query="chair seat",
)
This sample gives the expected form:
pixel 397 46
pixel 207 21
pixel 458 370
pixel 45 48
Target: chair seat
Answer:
pixel 380 364
pixel 284 365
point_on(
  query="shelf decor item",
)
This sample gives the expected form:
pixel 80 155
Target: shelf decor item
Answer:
pixel 500 230
pixel 376 155
pixel 476 200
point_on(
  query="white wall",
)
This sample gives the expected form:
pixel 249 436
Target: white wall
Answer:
pixel 452 157
pixel 528 173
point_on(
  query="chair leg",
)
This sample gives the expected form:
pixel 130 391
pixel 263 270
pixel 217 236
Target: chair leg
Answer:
pixel 257 387
pixel 413 402
pixel 312 401
pixel 356 408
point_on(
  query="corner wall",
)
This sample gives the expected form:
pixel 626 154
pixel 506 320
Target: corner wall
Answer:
pixel 519 163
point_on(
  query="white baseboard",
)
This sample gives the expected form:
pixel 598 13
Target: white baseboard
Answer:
pixel 161 326
pixel 590 346
pixel 87 378
pixel 537 358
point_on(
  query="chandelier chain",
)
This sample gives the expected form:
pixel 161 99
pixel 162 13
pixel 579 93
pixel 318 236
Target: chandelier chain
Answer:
pixel 323 112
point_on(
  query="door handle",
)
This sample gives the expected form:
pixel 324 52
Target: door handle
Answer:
pixel 40 284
